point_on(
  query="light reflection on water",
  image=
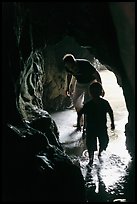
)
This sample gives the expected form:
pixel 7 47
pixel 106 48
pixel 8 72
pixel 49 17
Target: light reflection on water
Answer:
pixel 107 174
pixel 112 168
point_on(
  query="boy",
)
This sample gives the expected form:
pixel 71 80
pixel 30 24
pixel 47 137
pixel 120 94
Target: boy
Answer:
pixel 95 112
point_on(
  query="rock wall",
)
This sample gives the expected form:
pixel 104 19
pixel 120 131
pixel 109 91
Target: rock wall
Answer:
pixel 34 81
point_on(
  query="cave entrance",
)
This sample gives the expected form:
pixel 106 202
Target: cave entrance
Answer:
pixel 114 94
pixel 109 173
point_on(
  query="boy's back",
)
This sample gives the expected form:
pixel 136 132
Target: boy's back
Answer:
pixel 96 114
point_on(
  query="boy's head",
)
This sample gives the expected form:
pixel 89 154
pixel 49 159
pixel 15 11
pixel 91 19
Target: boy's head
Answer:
pixel 96 89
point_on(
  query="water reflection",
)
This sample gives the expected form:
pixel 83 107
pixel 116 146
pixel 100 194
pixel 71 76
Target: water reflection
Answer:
pixel 96 190
pixel 107 176
pixel 105 179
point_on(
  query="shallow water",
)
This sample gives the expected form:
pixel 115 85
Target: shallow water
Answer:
pixel 105 179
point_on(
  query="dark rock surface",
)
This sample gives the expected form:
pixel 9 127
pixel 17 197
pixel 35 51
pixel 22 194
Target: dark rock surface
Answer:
pixel 28 29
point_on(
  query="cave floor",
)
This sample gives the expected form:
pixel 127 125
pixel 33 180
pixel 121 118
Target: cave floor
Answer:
pixel 105 179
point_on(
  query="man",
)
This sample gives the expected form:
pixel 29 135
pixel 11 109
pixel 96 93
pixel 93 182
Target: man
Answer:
pixel 84 74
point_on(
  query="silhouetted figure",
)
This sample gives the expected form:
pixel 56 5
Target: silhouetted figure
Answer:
pixel 84 74
pixel 95 112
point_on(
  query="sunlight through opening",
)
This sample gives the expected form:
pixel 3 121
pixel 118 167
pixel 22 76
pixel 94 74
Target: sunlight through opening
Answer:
pixel 114 163
pixel 115 159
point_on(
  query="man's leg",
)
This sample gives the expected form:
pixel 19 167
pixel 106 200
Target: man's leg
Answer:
pixel 78 97
pixel 87 97
pixel 91 157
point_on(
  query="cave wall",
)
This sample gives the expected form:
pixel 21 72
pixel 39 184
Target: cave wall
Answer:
pixel 123 15
pixel 34 165
pixel 41 26
pixel 124 18
pixel 32 49
pixel 32 28
pixel 95 25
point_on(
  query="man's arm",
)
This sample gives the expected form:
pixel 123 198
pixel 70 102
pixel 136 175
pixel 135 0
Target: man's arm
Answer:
pixel 69 77
pixel 78 119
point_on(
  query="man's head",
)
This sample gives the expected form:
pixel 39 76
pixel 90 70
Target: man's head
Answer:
pixel 69 61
